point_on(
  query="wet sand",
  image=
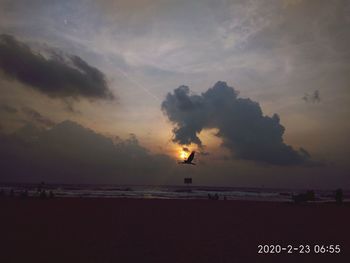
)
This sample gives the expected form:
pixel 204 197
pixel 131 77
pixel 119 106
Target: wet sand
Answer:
pixel 135 230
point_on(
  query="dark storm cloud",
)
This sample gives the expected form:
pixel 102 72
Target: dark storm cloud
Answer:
pixel 71 153
pixel 241 125
pixel 37 118
pixel 56 76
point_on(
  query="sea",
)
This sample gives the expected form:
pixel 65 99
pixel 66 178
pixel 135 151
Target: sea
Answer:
pixel 167 192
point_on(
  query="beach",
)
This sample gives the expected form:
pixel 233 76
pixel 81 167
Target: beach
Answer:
pixel 158 230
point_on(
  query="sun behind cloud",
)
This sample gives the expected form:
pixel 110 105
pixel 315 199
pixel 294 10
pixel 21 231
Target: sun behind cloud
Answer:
pixel 183 154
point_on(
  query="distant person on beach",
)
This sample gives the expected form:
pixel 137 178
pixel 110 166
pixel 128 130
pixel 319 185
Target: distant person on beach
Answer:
pixel 24 194
pixel 43 194
pixel 303 198
pixel 51 195
pixel 339 196
pixel 41 186
pixel 213 197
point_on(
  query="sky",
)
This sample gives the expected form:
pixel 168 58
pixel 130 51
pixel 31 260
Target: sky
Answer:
pixel 120 91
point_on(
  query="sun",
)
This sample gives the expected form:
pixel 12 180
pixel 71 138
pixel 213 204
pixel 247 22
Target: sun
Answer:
pixel 183 154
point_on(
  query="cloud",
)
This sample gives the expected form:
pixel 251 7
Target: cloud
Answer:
pixel 37 118
pixel 241 125
pixel 57 76
pixel 71 153
pixel 204 153
pixel 314 97
pixel 185 149
pixel 8 109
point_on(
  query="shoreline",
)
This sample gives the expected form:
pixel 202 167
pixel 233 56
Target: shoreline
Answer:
pixel 154 192
pixel 253 200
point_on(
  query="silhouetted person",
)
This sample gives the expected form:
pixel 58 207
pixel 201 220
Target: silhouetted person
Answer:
pixel 51 195
pixel 339 196
pixel 225 198
pixel 209 196
pixel 216 197
pixel 24 194
pixel 41 186
pixel 43 194
pixel 12 193
pixel 310 195
pixel 303 198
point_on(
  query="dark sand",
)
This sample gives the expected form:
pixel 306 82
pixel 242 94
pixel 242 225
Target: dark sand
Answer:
pixel 128 230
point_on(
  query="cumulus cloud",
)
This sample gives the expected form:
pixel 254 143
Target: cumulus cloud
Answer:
pixel 241 125
pixel 57 76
